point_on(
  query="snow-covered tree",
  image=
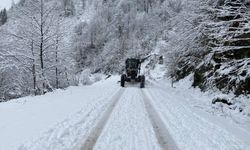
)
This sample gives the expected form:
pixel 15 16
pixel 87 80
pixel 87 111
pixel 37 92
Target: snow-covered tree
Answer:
pixel 223 60
pixel 69 7
pixel 120 29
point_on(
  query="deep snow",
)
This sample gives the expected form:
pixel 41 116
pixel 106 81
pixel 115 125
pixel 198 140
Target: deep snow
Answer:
pixel 193 129
pixel 129 126
pixel 54 120
pixel 64 119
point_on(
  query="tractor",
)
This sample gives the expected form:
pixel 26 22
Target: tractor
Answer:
pixel 133 67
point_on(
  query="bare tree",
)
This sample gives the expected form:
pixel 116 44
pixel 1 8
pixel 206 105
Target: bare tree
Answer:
pixel 38 21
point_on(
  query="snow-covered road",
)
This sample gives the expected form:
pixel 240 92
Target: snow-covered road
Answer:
pixel 105 116
pixel 187 127
pixel 129 126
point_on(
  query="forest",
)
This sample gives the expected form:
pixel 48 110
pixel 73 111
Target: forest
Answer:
pixel 49 44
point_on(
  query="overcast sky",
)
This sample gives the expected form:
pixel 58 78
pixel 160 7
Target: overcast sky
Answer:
pixel 6 3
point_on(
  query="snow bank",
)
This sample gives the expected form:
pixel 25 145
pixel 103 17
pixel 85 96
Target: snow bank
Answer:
pixel 29 118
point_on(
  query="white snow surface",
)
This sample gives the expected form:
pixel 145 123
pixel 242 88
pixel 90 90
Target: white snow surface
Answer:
pixel 129 126
pixel 192 128
pixel 52 121
pixel 64 119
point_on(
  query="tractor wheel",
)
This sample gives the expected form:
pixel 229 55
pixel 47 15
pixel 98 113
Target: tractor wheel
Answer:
pixel 123 78
pixel 142 82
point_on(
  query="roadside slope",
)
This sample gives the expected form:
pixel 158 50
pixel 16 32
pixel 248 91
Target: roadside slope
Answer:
pixel 189 127
pixel 31 118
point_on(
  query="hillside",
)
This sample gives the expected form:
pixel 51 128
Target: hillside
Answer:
pixel 222 59
pixel 66 82
pixel 44 51
pixel 72 39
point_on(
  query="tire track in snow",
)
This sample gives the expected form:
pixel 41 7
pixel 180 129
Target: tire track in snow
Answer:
pixel 97 130
pixel 68 133
pixel 163 137
pixel 129 127
pixel 198 131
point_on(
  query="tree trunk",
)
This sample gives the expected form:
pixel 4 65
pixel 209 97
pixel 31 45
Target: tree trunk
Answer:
pixel 33 68
pixel 41 45
pixel 57 78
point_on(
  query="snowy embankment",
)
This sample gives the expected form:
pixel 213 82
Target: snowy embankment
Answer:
pixel 106 116
pixel 191 126
pixel 58 117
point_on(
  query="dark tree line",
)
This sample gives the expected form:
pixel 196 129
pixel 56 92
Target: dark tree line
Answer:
pixel 3 16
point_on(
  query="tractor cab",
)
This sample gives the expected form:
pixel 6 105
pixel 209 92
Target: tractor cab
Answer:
pixel 133 67
pixel 133 63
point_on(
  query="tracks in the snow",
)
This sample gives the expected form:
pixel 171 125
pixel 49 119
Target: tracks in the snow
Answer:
pixel 97 130
pixel 164 139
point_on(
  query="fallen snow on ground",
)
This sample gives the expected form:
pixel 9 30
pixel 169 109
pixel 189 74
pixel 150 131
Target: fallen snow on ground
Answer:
pixel 129 127
pixel 53 121
pixel 65 119
pixel 203 101
pixel 192 128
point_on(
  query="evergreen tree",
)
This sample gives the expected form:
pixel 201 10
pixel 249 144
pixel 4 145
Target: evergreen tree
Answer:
pixel 3 16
